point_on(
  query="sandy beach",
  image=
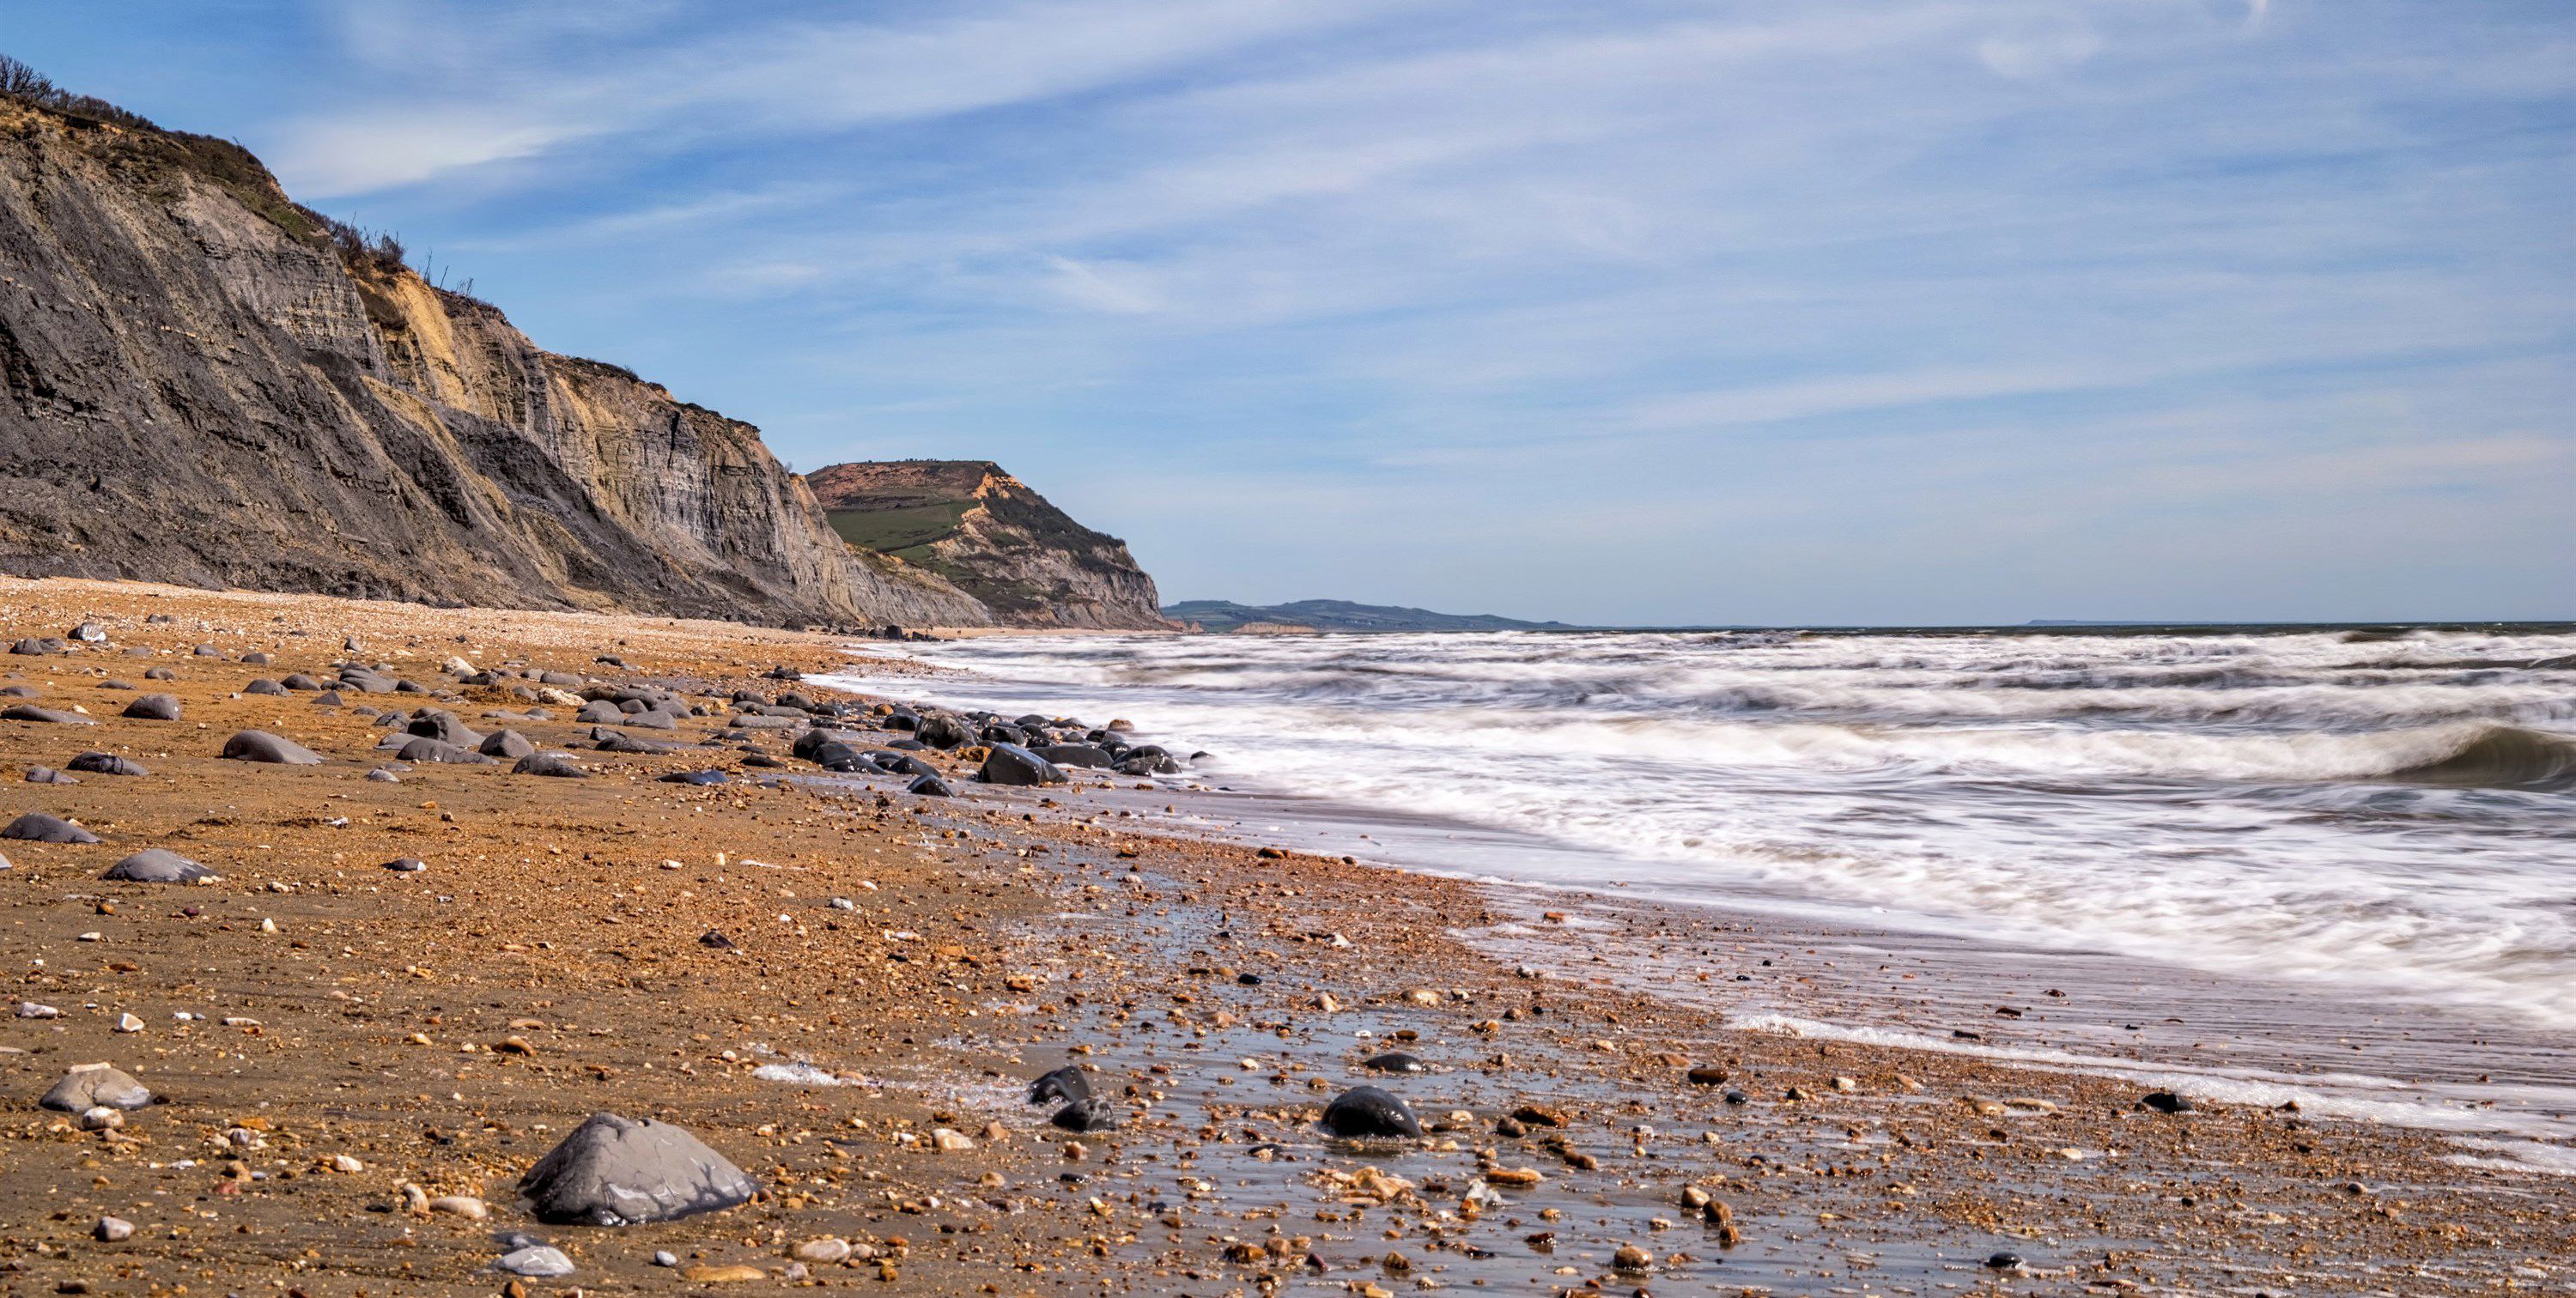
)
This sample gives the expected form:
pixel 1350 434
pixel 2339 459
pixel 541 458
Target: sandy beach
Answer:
pixel 846 990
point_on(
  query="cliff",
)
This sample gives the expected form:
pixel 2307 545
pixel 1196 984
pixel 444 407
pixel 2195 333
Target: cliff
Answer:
pixel 968 522
pixel 198 384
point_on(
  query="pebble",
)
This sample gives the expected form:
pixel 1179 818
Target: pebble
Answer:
pixel 735 1274
pixel 128 1023
pixel 32 1010
pixel 2004 1262
pixel 665 1257
pixel 101 1118
pixel 457 1205
pixel 112 1230
pixel 827 1249
pixel 535 1260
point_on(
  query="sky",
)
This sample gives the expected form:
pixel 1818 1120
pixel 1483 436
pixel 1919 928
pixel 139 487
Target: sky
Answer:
pixel 1628 311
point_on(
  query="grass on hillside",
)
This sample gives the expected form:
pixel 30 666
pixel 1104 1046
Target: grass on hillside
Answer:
pixel 893 531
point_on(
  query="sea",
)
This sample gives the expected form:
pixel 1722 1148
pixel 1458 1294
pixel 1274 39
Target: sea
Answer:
pixel 2363 819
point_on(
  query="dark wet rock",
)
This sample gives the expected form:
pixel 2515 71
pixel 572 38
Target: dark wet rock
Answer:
pixel 37 827
pixel 1738 1097
pixel 505 743
pixel 261 746
pixel 997 733
pixel 1076 755
pixel 810 742
pixel 2004 1262
pixel 90 1086
pixel 264 686
pixel 1148 766
pixel 599 711
pixel 38 646
pixel 97 763
pixel 894 763
pixel 1394 1061
pixel 422 748
pixel 20 692
pixel 1067 1083
pixel 616 1171
pixel 930 786
pixel 1090 1113
pixel 1013 765
pixel 1366 1111
pixel 837 756
pixel 901 720
pixel 1706 1075
pixel 48 716
pixel 48 775
pixel 326 699
pixel 2164 1102
pixel 154 707
pixel 705 777
pixel 762 760
pixel 255 658
pixel 157 865
pixel 715 940
pixel 624 743
pixel 116 685
pixel 556 764
pixel 301 683
pixel 407 865
pixel 942 731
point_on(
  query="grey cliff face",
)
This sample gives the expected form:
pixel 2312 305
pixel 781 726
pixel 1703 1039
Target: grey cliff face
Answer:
pixel 192 391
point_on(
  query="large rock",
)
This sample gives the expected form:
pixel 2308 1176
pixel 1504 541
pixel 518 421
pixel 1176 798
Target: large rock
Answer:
pixel 37 827
pixel 560 765
pixel 615 1171
pixel 422 748
pixel 261 746
pixel 105 764
pixel 154 707
pixel 943 731
pixel 157 865
pixel 506 743
pixel 48 716
pixel 90 1086
pixel 1366 1111
pixel 1012 764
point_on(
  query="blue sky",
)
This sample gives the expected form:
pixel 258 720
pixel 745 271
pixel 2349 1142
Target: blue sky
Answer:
pixel 1624 311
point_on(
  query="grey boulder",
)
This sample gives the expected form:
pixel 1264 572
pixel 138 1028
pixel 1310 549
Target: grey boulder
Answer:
pixel 154 707
pixel 37 827
pixel 105 764
pixel 556 764
pixel 261 746
pixel 157 865
pixel 506 743
pixel 49 716
pixel 89 1086
pixel 616 1171
pixel 422 748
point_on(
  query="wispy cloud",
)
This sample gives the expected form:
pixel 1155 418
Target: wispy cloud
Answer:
pixel 1828 304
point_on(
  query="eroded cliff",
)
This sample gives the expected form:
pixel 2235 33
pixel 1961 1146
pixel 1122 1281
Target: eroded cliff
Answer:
pixel 196 386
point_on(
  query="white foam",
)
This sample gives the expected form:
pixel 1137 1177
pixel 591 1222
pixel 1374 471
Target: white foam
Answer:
pixel 2218 801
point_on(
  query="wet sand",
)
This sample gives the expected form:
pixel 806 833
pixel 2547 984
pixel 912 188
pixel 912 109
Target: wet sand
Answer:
pixel 443 1028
